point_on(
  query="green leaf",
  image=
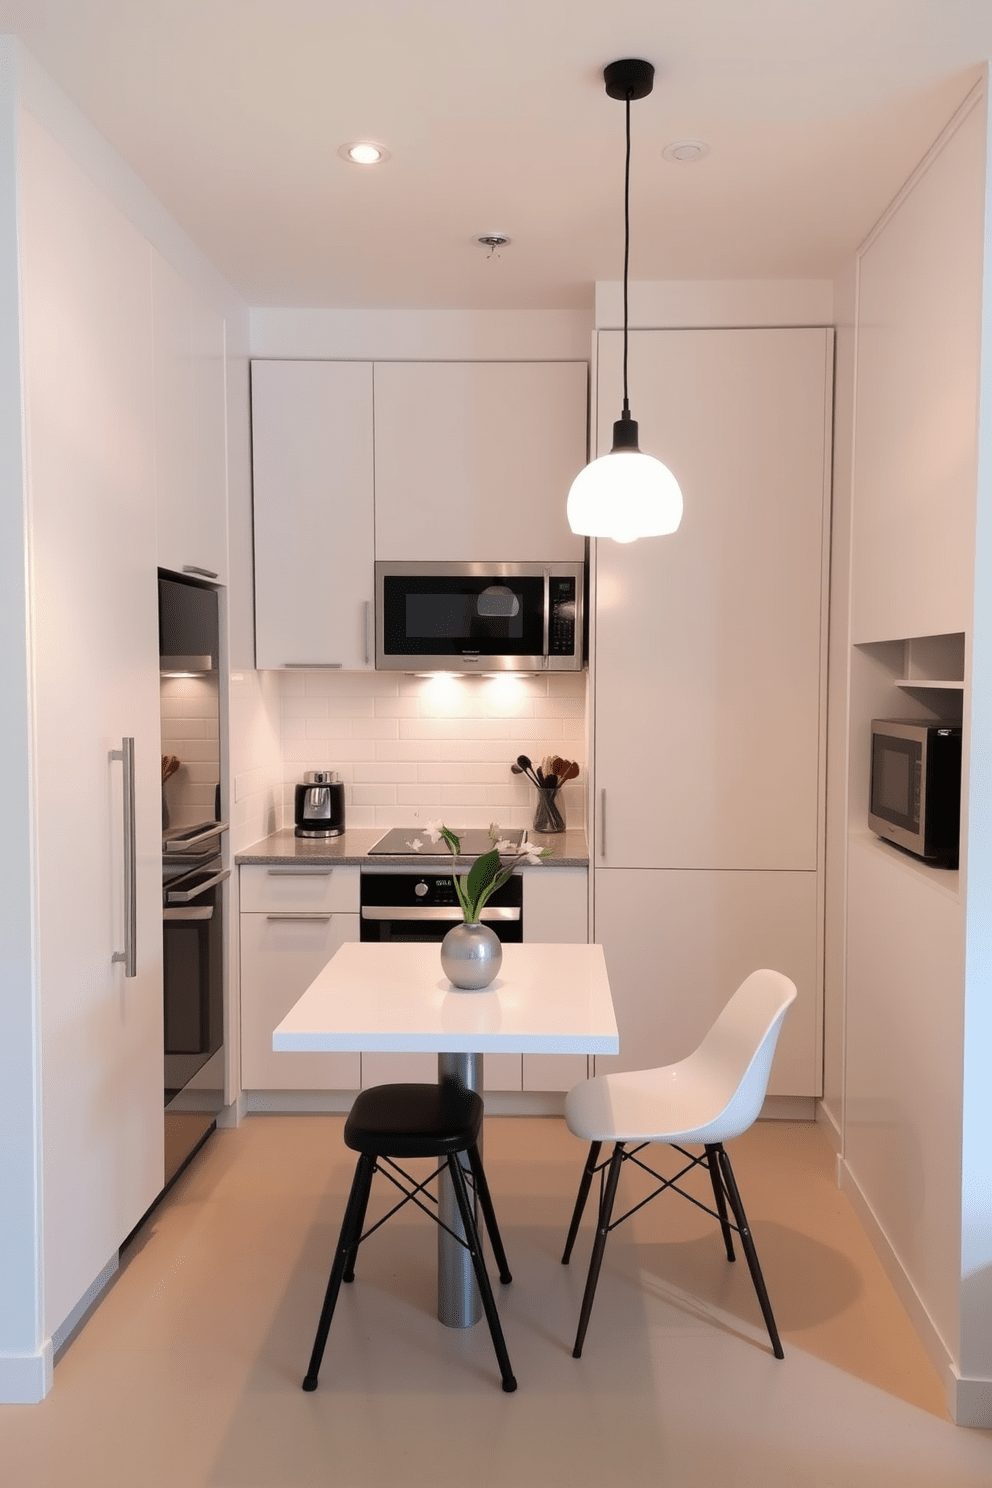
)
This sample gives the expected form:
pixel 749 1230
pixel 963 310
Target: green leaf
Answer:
pixel 480 878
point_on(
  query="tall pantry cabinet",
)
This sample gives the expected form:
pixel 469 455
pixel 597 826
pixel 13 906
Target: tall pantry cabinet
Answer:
pixel 709 688
pixel 89 397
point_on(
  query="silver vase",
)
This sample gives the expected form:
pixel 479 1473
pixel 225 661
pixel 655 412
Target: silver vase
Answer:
pixel 471 956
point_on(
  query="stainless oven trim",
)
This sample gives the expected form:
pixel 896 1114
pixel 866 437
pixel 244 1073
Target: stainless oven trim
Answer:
pixel 203 831
pixel 432 912
pixel 176 896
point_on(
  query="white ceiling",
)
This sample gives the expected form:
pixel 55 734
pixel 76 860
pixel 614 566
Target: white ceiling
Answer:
pixel 233 111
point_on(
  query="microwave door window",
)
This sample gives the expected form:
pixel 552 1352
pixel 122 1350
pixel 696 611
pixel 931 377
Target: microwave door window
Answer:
pixel 439 617
pixel 895 785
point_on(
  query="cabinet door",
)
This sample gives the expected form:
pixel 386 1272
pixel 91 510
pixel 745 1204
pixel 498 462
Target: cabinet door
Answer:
pixel 708 643
pixel 312 480
pixel 281 953
pixel 679 944
pixel 90 431
pixel 473 460
pixel 190 428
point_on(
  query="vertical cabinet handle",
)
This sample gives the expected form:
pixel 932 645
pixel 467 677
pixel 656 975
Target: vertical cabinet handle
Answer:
pixel 129 955
pixel 368 632
pixel 602 823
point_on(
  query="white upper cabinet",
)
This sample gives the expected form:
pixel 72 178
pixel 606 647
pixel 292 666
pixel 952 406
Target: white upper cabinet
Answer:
pixel 473 460
pixel 190 428
pixel 709 643
pixel 313 489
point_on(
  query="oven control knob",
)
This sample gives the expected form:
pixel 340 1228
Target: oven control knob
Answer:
pixel 420 889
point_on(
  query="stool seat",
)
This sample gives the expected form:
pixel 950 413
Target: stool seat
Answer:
pixel 440 1121
pixel 414 1120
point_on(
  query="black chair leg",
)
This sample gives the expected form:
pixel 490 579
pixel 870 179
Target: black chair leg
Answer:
pixel 599 1245
pixel 485 1290
pixel 489 1214
pixel 580 1200
pixel 752 1255
pixel 351 1230
pixel 713 1167
pixel 367 1172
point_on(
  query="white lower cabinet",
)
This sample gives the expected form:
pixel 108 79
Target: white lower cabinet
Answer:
pixel 293 919
pixel 678 943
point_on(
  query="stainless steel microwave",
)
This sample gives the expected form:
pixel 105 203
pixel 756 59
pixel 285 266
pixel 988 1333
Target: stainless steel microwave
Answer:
pixel 479 617
pixel 915 787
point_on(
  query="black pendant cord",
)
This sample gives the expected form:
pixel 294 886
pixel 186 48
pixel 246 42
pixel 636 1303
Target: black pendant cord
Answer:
pixel 626 255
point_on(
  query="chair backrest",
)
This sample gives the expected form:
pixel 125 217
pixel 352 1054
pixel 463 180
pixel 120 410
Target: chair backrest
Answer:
pixel 740 1046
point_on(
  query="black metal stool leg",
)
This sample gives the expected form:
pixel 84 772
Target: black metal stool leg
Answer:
pixel 752 1255
pixel 580 1199
pixel 489 1214
pixel 713 1166
pixel 347 1243
pixel 599 1245
pixel 367 1172
pixel 481 1275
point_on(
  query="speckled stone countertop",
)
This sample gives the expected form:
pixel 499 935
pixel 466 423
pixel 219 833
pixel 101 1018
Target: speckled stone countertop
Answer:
pixel 569 849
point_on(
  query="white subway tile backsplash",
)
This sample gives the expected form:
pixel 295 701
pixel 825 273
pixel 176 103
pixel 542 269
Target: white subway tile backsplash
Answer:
pixel 410 748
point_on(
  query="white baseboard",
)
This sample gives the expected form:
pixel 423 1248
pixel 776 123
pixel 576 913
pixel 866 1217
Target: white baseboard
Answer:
pixel 788 1108
pixel 830 1126
pixel 26 1378
pixel 969 1401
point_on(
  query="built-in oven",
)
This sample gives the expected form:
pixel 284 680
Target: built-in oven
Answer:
pixel 193 993
pixel 400 904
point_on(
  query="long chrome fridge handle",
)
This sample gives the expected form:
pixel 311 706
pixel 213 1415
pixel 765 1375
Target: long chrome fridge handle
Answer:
pixel 129 955
pixel 602 823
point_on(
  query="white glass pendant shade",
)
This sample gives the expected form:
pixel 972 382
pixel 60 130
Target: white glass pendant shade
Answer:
pixel 624 495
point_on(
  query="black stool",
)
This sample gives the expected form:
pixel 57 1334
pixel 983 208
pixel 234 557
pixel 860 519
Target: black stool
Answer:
pixel 439 1121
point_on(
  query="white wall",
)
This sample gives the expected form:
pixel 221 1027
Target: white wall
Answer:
pixel 908 993
pixel 25 1367
pixel 421 335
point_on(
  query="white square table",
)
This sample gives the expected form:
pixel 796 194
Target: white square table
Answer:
pixel 548 998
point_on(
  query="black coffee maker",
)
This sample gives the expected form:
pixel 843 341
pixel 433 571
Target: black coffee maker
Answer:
pixel 320 804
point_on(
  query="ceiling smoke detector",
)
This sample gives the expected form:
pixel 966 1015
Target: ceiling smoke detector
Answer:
pixel 493 241
pixel 683 152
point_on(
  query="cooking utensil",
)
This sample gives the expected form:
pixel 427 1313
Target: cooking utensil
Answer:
pixel 170 764
pixel 528 769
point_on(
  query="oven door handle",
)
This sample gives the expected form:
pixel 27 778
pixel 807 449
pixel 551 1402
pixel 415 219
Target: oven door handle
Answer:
pixel 203 834
pixel 177 896
pixel 432 912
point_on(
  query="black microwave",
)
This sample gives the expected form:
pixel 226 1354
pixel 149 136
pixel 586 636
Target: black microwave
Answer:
pixel 479 617
pixel 915 787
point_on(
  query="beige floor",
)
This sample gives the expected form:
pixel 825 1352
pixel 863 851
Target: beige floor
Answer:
pixel 188 1372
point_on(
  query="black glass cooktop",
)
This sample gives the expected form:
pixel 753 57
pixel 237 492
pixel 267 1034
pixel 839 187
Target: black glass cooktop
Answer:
pixel 474 840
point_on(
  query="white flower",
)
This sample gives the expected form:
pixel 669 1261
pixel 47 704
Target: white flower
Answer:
pixel 503 845
pixel 433 829
pixel 531 853
pixel 416 844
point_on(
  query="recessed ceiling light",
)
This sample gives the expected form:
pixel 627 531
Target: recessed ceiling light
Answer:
pixel 683 152
pixel 364 152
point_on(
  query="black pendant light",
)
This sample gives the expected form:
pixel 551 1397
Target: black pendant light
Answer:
pixel 625 494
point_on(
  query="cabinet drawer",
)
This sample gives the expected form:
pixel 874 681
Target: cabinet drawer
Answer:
pixel 299 888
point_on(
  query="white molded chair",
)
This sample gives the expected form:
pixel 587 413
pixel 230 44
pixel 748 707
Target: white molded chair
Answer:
pixel 708 1098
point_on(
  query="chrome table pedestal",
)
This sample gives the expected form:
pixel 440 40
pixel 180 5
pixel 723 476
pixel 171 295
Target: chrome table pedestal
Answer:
pixel 458 1302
